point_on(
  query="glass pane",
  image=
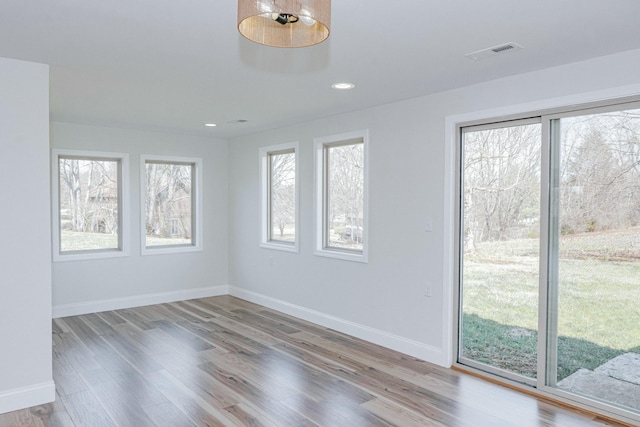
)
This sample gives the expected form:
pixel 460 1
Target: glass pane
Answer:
pixel 500 256
pixel 346 196
pixel 88 204
pixel 598 261
pixel 283 196
pixel 168 204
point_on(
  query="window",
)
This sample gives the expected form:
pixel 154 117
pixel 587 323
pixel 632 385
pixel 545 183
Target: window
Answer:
pixel 89 195
pixel 175 227
pixel 172 194
pixel 341 196
pixel 278 172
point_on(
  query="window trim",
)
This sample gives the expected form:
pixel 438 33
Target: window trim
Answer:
pixel 321 144
pixel 196 203
pixel 123 205
pixel 265 199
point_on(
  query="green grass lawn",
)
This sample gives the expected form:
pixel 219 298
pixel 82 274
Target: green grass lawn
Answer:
pixel 84 241
pixel 598 313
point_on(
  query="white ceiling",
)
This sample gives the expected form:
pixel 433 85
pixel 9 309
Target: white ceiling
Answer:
pixel 175 65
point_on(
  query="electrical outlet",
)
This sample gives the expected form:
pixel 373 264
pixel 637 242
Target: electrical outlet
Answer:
pixel 427 290
pixel 428 225
pixel 270 261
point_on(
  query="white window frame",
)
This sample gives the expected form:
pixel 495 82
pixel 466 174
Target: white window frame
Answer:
pixel 123 205
pixel 265 205
pixel 320 197
pixel 196 194
pixel 574 105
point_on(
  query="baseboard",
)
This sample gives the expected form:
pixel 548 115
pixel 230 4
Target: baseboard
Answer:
pixel 394 342
pixel 25 397
pixel 65 310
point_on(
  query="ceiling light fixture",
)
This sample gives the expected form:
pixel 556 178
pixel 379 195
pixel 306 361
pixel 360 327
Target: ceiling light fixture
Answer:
pixel 285 23
pixel 343 86
pixel 211 125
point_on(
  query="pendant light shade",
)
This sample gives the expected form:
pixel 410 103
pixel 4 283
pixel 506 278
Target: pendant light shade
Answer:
pixel 284 23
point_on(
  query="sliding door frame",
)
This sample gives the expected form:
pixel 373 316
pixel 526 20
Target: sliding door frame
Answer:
pixel 510 123
pixel 545 383
pixel 552 284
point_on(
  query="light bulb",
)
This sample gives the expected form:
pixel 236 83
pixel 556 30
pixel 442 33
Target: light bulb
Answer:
pixel 308 21
pixel 343 86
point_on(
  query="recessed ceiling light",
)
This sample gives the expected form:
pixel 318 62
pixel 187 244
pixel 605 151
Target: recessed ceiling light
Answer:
pixel 211 125
pixel 343 86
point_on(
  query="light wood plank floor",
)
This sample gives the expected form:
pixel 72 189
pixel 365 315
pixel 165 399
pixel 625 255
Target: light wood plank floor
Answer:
pixel 223 361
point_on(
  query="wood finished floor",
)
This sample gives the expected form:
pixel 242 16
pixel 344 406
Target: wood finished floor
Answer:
pixel 225 362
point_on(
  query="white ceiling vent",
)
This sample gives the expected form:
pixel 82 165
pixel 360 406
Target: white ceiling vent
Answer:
pixel 493 51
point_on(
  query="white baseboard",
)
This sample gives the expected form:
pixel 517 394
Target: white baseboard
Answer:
pixel 394 342
pixel 25 397
pixel 65 310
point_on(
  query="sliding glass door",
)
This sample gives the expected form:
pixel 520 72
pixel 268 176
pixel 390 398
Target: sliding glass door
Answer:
pixel 549 254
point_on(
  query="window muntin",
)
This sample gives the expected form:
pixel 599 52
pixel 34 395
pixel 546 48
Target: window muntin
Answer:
pixel 278 174
pixel 341 196
pixel 89 214
pixel 170 191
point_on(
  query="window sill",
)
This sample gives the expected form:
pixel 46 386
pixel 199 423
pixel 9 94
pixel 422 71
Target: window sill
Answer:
pixel 285 247
pixel 343 255
pixel 89 255
pixel 169 249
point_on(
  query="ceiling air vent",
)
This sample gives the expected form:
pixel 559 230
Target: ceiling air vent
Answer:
pixel 493 51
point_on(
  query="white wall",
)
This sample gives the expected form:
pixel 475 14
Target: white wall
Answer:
pixel 25 257
pixel 95 285
pixel 410 182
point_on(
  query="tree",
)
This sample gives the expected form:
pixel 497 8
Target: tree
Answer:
pixel 346 191
pixel 283 186
pixel 600 172
pixel 501 182
pixel 89 194
pixel 168 199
